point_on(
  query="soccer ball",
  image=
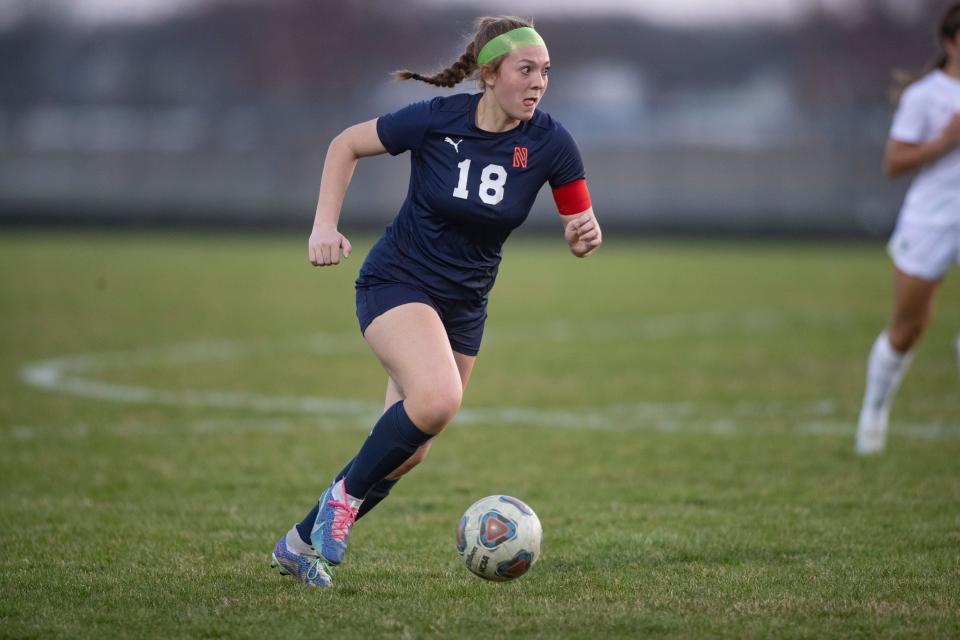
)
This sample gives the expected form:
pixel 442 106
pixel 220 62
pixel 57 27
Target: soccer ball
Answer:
pixel 498 538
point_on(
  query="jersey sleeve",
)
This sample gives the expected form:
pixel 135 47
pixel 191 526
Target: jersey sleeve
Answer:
pixel 567 163
pixel 910 121
pixel 405 129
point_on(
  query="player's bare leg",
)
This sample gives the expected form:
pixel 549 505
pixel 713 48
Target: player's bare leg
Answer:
pixel 891 355
pixel 412 345
pixel 394 394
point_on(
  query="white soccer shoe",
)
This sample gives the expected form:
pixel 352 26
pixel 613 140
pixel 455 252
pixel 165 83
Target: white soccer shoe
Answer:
pixel 872 430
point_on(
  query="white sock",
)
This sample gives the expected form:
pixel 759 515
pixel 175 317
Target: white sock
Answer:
pixel 956 345
pixel 340 493
pixel 885 370
pixel 295 544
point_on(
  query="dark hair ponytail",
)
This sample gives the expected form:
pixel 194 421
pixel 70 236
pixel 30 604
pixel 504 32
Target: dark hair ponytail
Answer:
pixel 947 29
pixel 487 28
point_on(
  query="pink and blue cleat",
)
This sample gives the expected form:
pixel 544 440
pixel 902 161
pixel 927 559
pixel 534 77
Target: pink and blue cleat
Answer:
pixel 308 567
pixel 338 512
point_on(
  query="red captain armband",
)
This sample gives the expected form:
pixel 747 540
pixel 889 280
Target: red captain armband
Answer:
pixel 572 197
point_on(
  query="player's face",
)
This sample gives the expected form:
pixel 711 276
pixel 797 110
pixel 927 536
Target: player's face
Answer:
pixel 952 47
pixel 522 81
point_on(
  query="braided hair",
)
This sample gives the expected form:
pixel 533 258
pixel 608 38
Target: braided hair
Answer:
pixel 487 28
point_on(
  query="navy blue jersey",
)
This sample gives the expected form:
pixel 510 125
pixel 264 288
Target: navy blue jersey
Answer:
pixel 469 189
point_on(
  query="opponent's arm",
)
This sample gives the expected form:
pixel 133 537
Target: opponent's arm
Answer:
pixel 359 141
pixel 903 157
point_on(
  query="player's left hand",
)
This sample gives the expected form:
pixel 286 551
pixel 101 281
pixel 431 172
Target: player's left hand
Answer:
pixel 583 234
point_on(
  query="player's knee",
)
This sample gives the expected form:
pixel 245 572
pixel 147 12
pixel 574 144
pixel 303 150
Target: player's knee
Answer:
pixel 904 334
pixel 435 408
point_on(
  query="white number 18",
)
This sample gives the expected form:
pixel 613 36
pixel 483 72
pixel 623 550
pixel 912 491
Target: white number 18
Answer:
pixel 492 180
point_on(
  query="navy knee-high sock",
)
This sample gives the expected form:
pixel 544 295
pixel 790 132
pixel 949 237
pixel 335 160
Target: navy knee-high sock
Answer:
pixel 394 439
pixel 374 497
pixel 305 526
pixel 376 494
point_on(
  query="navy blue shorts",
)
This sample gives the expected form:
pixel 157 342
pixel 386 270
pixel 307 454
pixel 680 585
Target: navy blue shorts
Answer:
pixel 462 320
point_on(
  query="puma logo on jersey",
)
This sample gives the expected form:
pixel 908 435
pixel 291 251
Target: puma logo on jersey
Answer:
pixel 456 145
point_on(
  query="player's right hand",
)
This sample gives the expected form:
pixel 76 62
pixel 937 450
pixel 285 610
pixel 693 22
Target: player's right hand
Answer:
pixel 325 246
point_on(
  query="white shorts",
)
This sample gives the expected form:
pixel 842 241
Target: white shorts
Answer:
pixel 925 251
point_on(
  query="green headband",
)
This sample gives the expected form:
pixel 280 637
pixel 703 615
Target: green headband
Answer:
pixel 507 42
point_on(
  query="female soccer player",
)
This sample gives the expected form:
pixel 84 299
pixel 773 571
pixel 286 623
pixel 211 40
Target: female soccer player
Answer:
pixel 477 163
pixel 925 137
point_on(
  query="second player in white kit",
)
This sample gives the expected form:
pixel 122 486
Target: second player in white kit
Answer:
pixel 924 138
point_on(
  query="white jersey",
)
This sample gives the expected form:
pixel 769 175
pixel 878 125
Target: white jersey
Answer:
pixel 925 109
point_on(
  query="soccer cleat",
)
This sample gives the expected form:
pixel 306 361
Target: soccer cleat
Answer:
pixel 310 569
pixel 872 430
pixel 338 512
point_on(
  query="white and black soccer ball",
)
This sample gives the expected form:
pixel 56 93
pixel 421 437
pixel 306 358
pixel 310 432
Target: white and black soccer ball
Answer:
pixel 498 538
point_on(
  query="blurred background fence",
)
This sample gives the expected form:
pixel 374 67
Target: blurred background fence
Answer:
pixel 220 112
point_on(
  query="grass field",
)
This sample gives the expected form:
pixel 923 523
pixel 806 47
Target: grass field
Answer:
pixel 680 415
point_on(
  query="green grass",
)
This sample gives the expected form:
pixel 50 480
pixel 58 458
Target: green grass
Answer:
pixel 679 414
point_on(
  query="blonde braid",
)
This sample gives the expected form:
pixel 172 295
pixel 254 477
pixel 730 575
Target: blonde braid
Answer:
pixel 487 28
pixel 449 77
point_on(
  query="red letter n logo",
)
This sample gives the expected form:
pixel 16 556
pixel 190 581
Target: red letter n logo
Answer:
pixel 520 157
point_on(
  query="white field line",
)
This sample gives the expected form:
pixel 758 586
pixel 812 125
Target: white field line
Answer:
pixel 76 375
pixel 234 426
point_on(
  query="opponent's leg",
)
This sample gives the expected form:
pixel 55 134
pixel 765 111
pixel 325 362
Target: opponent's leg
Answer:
pixel 891 355
pixel 956 349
